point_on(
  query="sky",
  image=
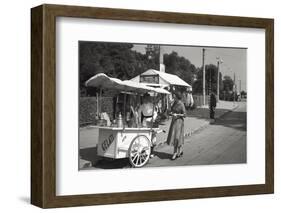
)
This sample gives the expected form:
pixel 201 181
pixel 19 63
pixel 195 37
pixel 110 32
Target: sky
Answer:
pixel 234 60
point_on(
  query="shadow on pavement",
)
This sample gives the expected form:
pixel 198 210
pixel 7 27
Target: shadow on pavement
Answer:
pixel 235 120
pixel 204 113
pixel 162 155
pixel 107 163
pixel 90 154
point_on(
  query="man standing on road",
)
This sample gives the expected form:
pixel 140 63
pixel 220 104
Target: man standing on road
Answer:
pixel 212 106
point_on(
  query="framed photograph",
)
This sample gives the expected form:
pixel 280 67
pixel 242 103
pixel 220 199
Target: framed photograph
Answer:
pixel 137 106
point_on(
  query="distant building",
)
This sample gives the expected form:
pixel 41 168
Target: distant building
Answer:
pixel 160 79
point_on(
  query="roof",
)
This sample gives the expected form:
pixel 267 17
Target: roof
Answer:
pixel 101 80
pixel 169 78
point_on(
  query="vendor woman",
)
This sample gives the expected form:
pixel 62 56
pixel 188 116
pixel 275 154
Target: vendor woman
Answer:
pixel 146 116
pixel 176 131
pixel 146 112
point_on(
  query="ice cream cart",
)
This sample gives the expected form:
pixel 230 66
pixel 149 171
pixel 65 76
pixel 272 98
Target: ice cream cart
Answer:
pixel 119 140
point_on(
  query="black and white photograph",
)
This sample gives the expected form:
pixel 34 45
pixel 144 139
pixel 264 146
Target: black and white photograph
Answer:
pixel 154 105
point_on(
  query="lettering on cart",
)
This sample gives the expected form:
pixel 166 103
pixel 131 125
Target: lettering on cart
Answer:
pixel 107 142
pixel 124 138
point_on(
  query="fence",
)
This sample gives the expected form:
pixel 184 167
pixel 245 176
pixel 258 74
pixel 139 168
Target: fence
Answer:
pixel 198 100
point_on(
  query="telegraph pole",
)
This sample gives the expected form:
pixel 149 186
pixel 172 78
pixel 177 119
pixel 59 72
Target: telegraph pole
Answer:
pixel 219 61
pixel 204 80
pixel 234 88
pixel 160 58
pixel 240 86
pixel 218 82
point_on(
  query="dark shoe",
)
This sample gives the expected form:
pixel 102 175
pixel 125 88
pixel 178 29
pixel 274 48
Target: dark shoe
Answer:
pixel 152 156
pixel 180 154
pixel 174 156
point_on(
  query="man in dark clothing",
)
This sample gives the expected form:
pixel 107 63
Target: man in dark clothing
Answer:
pixel 212 105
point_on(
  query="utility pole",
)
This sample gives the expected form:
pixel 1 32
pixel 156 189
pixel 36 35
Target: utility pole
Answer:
pixel 218 82
pixel 218 78
pixel 204 80
pixel 161 59
pixel 234 88
pixel 240 86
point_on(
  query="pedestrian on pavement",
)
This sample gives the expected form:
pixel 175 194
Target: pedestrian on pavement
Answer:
pixel 189 100
pixel 212 105
pixel 176 132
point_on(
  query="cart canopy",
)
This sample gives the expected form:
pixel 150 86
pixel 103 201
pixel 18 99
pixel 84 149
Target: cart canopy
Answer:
pixel 102 81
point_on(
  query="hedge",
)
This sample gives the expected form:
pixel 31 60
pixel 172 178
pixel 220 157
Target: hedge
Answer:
pixel 88 109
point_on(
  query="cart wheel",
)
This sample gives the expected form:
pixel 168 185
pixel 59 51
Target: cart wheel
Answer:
pixel 139 151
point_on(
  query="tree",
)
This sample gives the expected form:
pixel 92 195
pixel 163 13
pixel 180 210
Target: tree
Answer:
pixel 152 53
pixel 179 66
pixel 211 78
pixel 227 83
pixel 243 94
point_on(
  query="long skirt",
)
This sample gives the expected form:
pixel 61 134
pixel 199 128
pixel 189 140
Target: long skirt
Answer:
pixel 212 112
pixel 176 132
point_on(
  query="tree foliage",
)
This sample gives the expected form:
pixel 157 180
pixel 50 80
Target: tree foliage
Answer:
pixel 211 78
pixel 227 83
pixel 243 93
pixel 179 66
